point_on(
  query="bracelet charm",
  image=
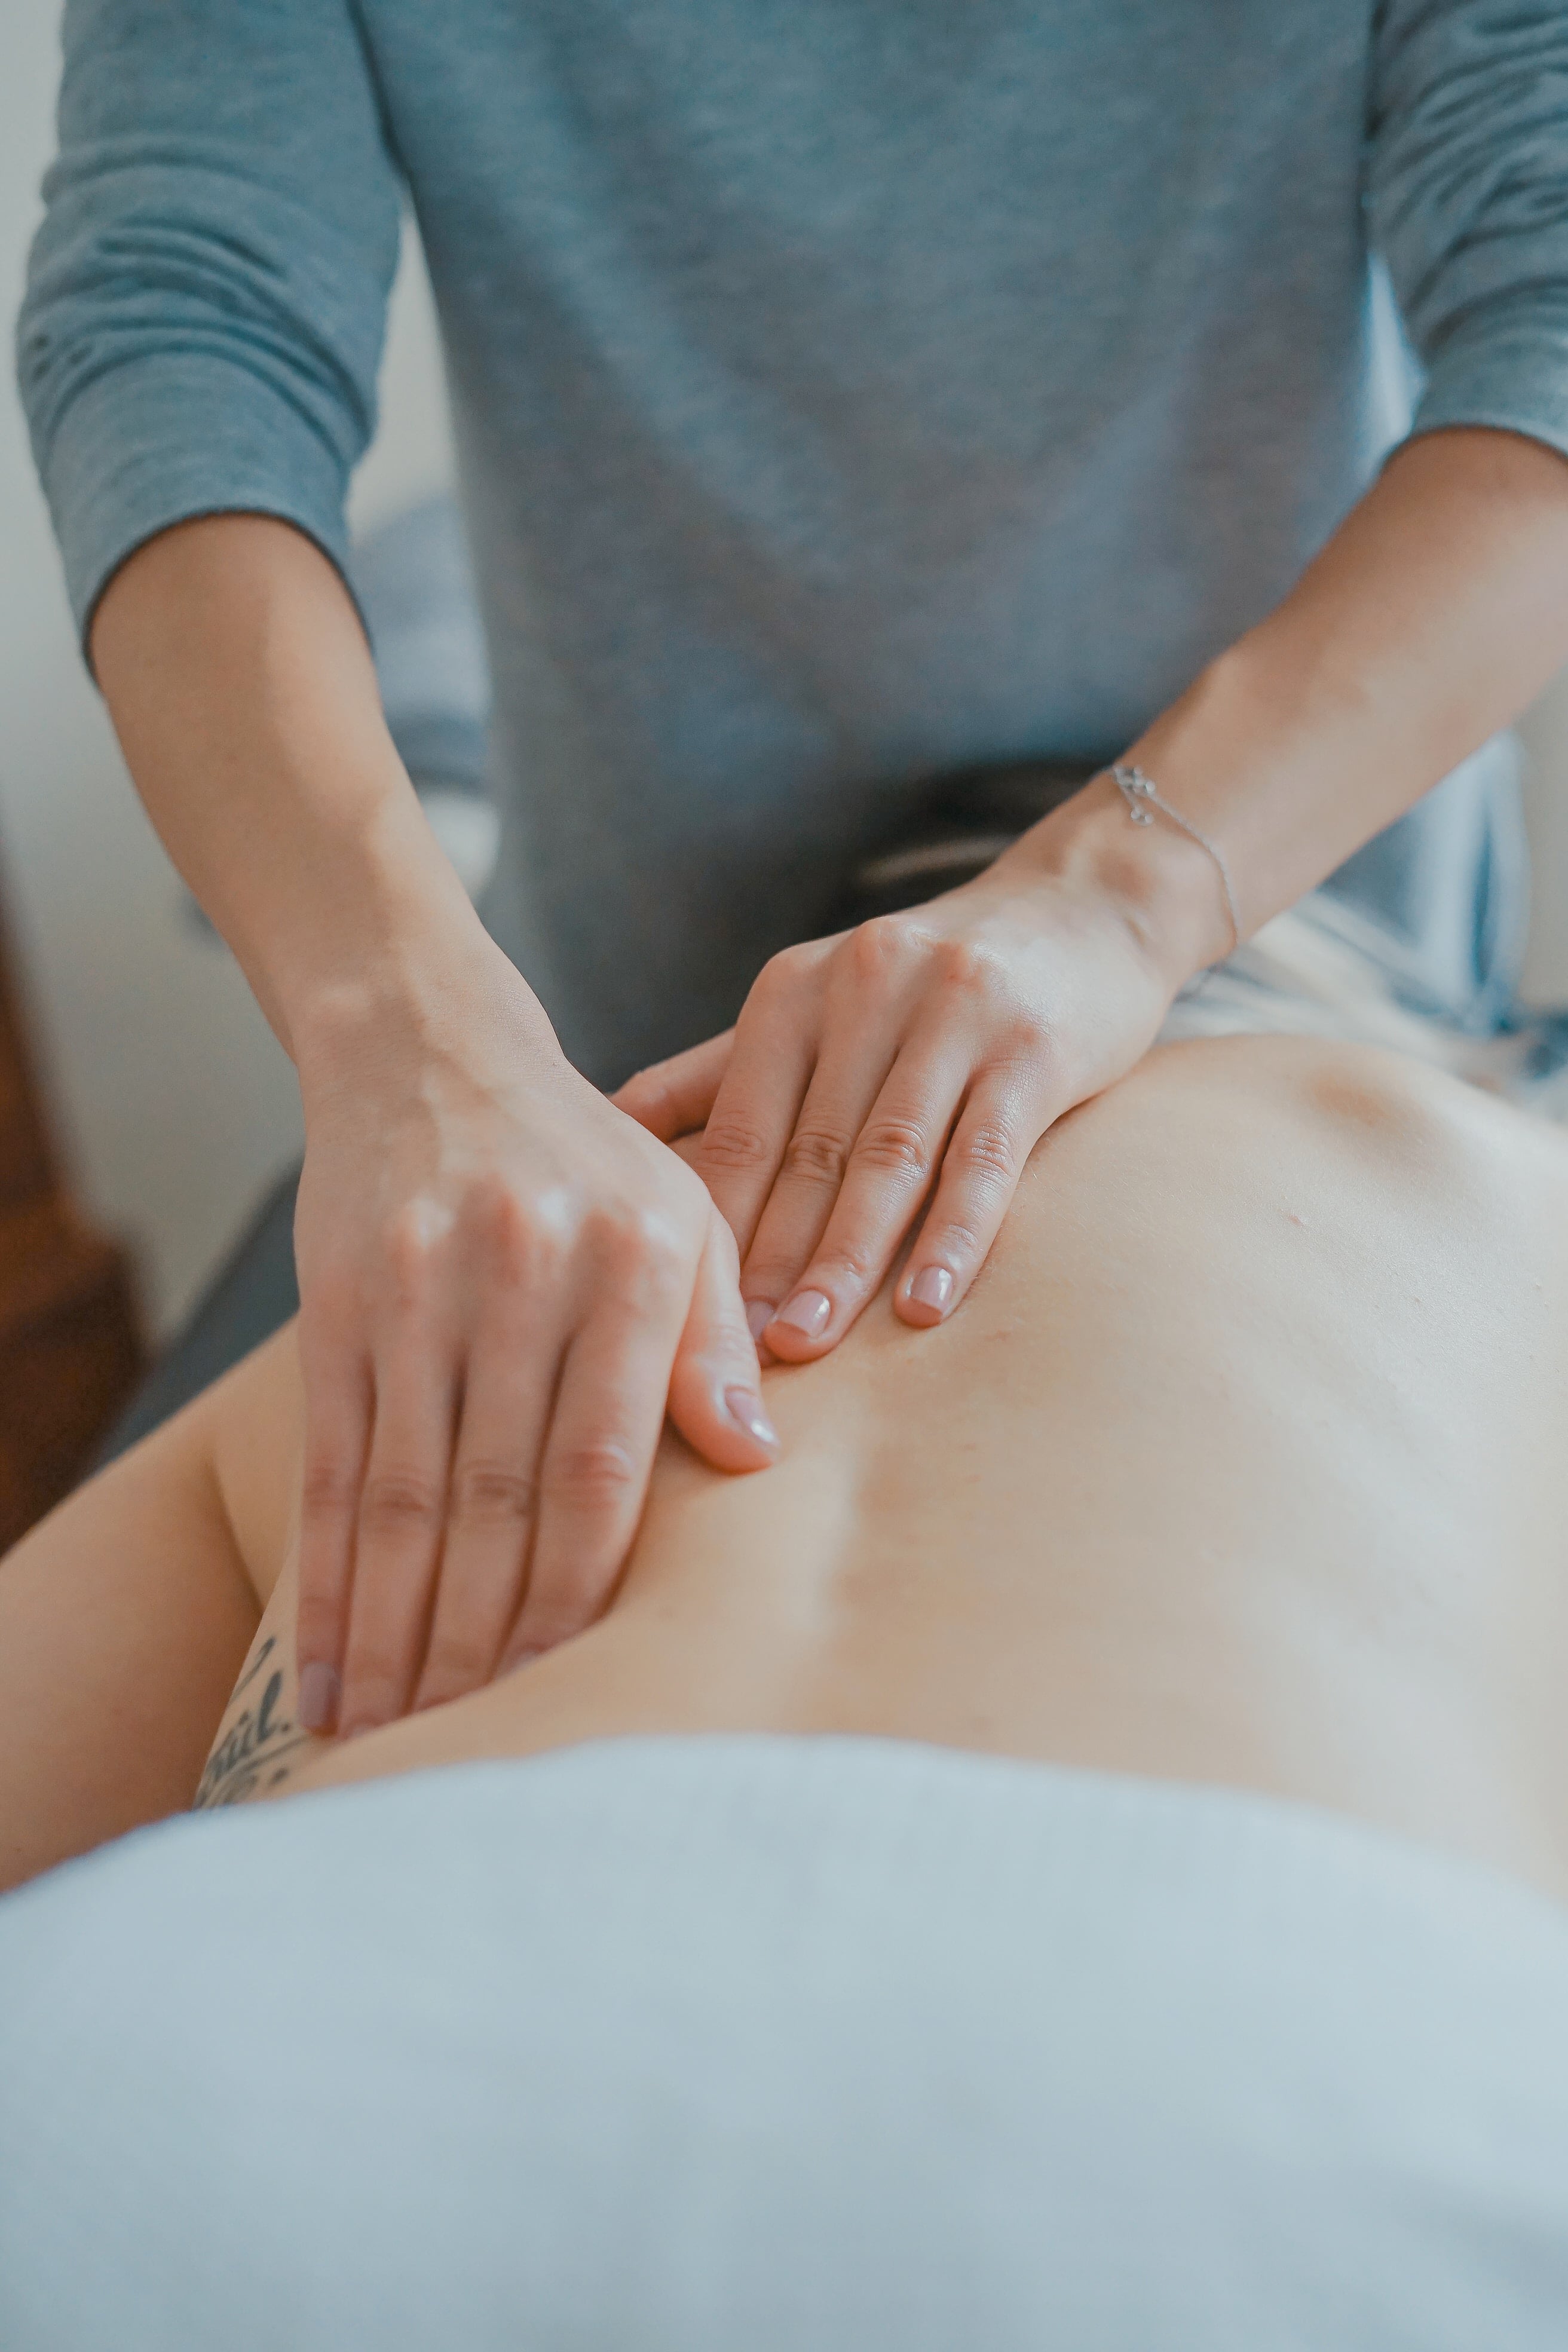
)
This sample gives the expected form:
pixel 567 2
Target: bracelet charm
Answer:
pixel 1143 796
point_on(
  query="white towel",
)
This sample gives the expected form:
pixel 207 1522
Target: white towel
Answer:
pixel 781 2045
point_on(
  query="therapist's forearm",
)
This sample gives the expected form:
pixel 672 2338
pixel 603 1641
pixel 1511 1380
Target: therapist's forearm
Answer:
pixel 245 701
pixel 505 1282
pixel 1431 618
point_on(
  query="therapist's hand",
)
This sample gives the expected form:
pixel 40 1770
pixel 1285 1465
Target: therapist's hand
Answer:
pixel 503 1278
pixel 920 1058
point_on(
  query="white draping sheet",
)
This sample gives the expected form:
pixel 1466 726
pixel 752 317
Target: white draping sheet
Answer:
pixel 781 2045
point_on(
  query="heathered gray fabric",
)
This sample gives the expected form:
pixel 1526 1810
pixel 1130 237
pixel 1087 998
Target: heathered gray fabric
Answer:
pixel 794 2045
pixel 847 390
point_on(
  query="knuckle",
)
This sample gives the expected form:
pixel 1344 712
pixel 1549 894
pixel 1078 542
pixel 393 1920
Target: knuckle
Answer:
pixel 522 1245
pixel 399 1502
pixel 597 1474
pixel 818 1155
pixel 989 1153
pixel 735 1144
pixel 771 1271
pixel 967 968
pixel 878 946
pixel 411 1242
pixel 896 1146
pixel 614 1242
pixel 656 1230
pixel 487 1493
pixel 500 1221
pixel 328 1489
pixel 1031 1041
pixel 639 1248
pixel 954 1242
pixel 848 1265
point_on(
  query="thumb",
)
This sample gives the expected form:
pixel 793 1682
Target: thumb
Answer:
pixel 715 1386
pixel 674 1097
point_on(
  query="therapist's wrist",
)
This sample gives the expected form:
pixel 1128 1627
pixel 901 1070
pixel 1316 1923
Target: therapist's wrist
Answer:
pixel 393 960
pixel 433 985
pixel 1160 886
pixel 354 916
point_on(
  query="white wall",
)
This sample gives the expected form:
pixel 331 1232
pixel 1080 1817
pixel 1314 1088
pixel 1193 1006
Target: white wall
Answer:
pixel 173 1103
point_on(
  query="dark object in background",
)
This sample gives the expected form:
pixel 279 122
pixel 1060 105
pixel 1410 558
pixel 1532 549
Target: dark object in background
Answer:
pixel 958 825
pixel 70 1346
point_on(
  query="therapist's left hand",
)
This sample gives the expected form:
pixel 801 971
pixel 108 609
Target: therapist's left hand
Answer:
pixel 917 1059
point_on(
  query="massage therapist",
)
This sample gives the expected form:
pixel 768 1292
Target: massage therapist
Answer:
pixel 846 391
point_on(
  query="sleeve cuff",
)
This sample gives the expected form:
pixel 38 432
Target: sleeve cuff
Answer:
pixel 1504 364
pixel 163 437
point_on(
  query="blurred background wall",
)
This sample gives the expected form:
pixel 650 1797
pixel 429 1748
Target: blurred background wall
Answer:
pixel 172 1102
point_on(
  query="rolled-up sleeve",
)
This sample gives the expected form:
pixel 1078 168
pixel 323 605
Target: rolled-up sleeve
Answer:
pixel 206 294
pixel 1467 193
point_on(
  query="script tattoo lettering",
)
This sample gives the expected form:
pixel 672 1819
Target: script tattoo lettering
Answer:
pixel 254 1747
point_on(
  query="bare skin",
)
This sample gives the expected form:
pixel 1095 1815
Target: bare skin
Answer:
pixel 1242 1464
pixel 504 1285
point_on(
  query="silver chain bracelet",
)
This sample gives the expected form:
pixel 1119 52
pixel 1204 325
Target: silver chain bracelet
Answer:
pixel 1142 795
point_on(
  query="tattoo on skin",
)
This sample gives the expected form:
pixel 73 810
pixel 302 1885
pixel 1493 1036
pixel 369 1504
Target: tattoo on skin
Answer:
pixel 254 1750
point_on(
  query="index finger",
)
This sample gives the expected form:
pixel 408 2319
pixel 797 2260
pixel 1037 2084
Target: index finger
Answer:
pixel 753 1113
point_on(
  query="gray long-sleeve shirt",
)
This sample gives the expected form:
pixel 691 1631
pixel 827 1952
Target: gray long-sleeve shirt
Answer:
pixel 845 390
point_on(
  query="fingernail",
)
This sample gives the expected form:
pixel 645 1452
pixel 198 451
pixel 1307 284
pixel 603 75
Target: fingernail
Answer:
pixel 807 1312
pixel 759 1315
pixel 523 1657
pixel 932 1287
pixel 745 1407
pixel 319 1691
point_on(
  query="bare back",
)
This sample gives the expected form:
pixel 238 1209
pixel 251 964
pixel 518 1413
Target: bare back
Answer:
pixel 1243 1464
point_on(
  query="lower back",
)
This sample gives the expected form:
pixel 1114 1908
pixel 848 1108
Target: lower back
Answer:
pixel 1239 1464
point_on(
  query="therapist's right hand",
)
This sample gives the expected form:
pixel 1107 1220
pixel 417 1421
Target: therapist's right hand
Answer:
pixel 503 1281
